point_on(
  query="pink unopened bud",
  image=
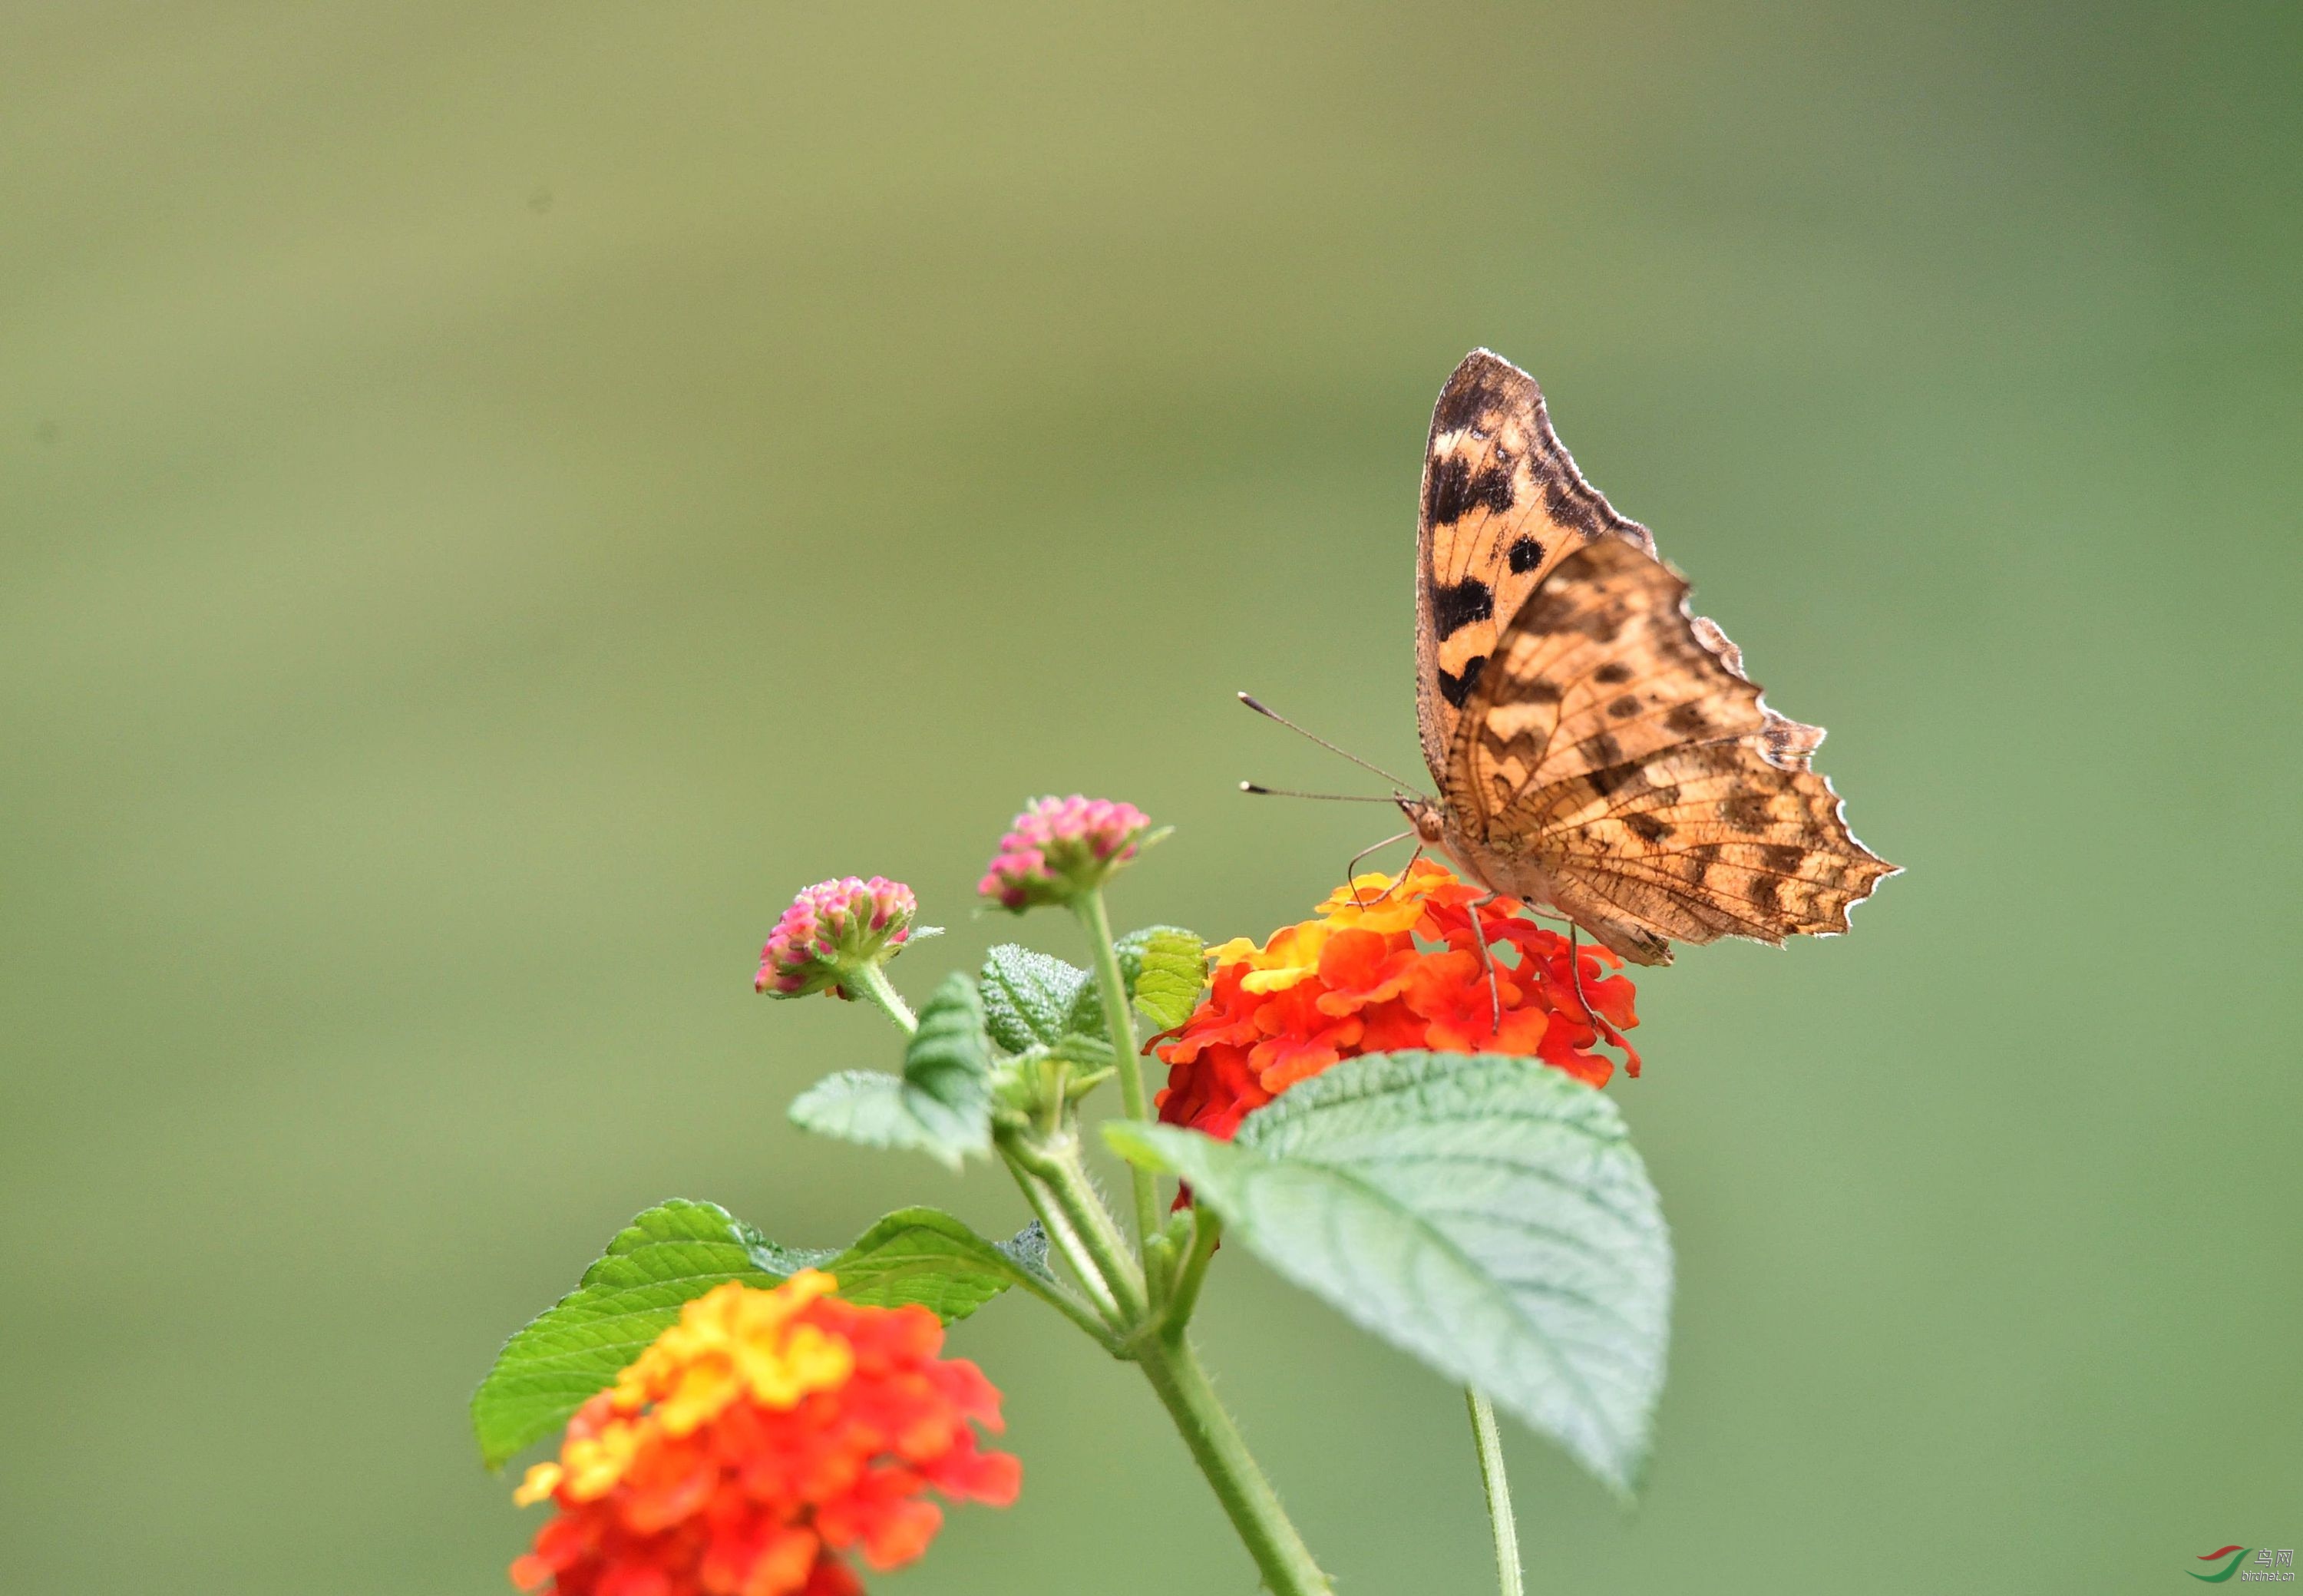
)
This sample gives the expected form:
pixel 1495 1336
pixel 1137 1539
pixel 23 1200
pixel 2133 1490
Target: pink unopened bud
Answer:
pixel 1062 847
pixel 833 929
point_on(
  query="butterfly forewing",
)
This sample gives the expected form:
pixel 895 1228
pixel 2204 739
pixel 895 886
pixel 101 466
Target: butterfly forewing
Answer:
pixel 1503 505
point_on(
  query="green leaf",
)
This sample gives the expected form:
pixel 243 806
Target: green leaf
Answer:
pixel 1029 998
pixel 1486 1213
pixel 677 1251
pixel 1087 1005
pixel 940 1105
pixel 674 1251
pixel 1171 972
pixel 923 1255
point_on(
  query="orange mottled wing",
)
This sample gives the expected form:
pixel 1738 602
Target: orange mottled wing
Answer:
pixel 1503 505
pixel 1615 750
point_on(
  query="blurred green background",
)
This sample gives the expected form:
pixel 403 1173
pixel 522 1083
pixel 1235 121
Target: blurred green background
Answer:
pixel 496 497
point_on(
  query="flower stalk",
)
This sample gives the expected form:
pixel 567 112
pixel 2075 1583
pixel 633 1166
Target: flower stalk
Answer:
pixel 1173 1368
pixel 1191 1272
pixel 1113 987
pixel 1488 1440
pixel 1055 1165
pixel 870 983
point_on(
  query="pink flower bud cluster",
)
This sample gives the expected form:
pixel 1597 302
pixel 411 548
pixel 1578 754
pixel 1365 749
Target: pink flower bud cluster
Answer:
pixel 830 929
pixel 1060 847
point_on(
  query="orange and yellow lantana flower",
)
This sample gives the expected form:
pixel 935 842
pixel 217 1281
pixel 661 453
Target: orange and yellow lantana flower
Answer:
pixel 760 1440
pixel 1358 980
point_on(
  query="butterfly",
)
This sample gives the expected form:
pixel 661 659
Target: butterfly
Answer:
pixel 1597 747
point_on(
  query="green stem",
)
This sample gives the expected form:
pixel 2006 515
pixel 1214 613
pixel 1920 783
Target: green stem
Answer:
pixel 870 983
pixel 1068 1243
pixel 1113 986
pixel 1489 1440
pixel 1174 1369
pixel 1206 1230
pixel 1057 1167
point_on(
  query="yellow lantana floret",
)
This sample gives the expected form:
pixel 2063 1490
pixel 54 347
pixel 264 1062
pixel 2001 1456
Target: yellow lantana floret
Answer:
pixel 735 1341
pixel 595 1462
pixel 1292 955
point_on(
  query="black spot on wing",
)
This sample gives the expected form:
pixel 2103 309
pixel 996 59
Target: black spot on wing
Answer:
pixel 1785 857
pixel 1491 489
pixel 1445 486
pixel 1686 719
pixel 1762 892
pixel 1451 490
pixel 1456 605
pixel 1457 688
pixel 1526 554
pixel 1625 707
pixel 1614 673
pixel 1647 827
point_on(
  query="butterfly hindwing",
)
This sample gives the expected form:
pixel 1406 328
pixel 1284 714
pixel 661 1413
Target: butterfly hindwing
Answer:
pixel 1503 505
pixel 1615 744
pixel 1708 841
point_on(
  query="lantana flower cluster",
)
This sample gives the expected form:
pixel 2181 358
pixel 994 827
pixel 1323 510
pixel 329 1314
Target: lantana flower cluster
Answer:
pixel 830 930
pixel 761 1440
pixel 1060 848
pixel 1356 980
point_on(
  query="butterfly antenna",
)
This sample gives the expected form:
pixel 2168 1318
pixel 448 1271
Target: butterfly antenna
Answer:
pixel 1270 714
pixel 1259 791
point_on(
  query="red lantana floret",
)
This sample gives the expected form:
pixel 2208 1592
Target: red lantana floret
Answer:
pixel 760 1442
pixel 1389 965
pixel 831 928
pixel 1060 848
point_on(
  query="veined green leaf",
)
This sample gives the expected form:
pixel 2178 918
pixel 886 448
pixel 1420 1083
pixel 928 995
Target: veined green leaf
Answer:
pixel 925 1256
pixel 1131 947
pixel 1030 998
pixel 1487 1214
pixel 674 1251
pixel 680 1250
pixel 1171 972
pixel 940 1105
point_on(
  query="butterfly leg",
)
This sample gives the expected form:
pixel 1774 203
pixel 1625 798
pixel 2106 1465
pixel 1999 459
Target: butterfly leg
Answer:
pixel 1575 974
pixel 1600 1026
pixel 1351 871
pixel 1487 962
pixel 1574 964
pixel 1398 880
